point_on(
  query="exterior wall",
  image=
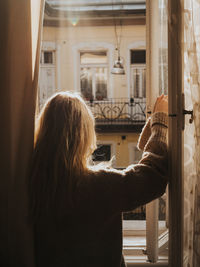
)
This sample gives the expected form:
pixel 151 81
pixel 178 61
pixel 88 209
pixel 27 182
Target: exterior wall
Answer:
pixel 67 38
pixel 68 41
pixel 121 147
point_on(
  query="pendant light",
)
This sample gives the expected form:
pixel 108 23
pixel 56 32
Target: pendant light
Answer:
pixel 118 67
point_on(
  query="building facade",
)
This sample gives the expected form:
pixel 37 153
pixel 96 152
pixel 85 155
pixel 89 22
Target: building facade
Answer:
pixel 81 42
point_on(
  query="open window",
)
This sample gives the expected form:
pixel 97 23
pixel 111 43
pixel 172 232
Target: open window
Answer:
pixel 61 28
pixel 87 54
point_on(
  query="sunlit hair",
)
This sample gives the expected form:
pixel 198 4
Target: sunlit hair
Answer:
pixel 64 142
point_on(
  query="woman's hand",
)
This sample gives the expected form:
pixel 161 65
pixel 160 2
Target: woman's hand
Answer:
pixel 161 104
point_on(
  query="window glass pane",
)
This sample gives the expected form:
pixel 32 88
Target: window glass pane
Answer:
pixel 102 153
pixel 139 82
pixel 138 56
pixel 95 57
pixel 48 57
pixel 86 83
pixel 101 83
pixel 163 71
pixel 144 83
pixel 136 83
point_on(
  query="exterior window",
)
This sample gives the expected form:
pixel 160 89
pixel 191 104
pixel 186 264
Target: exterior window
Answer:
pixel 47 57
pixel 94 74
pixel 102 153
pixel 47 81
pixel 138 73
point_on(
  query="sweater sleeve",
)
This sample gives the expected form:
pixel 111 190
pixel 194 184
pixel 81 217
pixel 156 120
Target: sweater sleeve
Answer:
pixel 143 182
pixel 147 180
pixel 118 191
pixel 145 134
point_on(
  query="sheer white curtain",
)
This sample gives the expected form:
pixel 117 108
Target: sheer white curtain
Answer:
pixel 192 133
pixel 20 30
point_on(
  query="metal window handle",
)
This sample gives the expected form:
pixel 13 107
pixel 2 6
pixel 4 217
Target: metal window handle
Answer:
pixel 189 112
pixel 185 112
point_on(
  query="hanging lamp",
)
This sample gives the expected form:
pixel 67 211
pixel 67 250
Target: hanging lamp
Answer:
pixel 118 67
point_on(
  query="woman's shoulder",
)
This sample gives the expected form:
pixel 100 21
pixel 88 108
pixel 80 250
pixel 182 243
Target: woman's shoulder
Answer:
pixel 101 171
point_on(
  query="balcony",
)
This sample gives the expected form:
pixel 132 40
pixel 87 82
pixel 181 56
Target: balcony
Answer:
pixel 119 114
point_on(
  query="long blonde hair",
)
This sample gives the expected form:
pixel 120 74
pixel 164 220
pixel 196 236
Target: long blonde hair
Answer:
pixel 64 141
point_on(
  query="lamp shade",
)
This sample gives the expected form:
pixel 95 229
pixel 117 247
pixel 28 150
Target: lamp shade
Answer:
pixel 118 68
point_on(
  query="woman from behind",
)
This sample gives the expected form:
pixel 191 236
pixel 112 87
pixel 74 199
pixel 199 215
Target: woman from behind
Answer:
pixel 76 208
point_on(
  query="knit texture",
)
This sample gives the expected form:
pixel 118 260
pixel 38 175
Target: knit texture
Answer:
pixel 145 134
pixel 92 229
pixel 157 125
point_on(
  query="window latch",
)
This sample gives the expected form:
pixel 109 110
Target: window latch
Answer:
pixel 189 112
pixel 186 112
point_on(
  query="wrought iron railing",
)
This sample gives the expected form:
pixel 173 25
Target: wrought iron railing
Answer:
pixel 119 110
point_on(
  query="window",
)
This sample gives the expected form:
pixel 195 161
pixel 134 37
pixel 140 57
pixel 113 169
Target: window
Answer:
pixel 102 153
pixel 94 74
pixel 138 56
pixel 47 81
pixel 47 57
pixel 138 73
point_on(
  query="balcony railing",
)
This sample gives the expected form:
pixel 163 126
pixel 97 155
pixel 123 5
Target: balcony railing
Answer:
pixel 119 111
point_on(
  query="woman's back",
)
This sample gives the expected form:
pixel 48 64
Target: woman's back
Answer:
pixel 76 210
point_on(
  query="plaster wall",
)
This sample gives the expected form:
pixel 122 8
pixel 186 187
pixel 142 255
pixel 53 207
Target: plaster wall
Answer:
pixel 67 38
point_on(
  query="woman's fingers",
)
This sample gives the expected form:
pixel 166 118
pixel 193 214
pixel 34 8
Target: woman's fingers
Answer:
pixel 161 104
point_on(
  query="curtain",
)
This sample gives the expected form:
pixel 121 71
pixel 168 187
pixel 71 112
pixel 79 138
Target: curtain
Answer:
pixel 20 30
pixel 191 46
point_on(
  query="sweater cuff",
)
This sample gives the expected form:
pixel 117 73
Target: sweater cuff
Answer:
pixel 159 125
pixel 159 118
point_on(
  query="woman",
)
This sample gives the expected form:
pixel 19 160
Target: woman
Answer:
pixel 76 209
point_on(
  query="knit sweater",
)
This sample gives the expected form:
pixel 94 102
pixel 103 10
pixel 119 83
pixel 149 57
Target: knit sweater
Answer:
pixel 90 235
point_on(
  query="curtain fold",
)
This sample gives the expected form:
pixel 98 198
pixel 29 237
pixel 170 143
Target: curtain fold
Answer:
pixel 21 23
pixel 191 48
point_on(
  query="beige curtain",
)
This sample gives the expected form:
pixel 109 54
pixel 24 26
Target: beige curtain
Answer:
pixel 191 48
pixel 20 28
